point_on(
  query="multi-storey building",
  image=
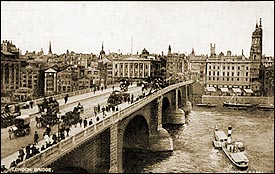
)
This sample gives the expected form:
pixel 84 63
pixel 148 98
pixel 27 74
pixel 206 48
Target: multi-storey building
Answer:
pixel 136 67
pixel 10 67
pixel 94 75
pixel 50 85
pixel 175 63
pixel 267 79
pixel 227 71
pixel 197 65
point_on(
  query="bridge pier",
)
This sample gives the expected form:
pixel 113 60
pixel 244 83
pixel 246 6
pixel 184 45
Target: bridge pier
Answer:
pixel 115 150
pixel 177 116
pixel 160 141
pixel 159 138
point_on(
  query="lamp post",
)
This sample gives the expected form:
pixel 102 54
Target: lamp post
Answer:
pixel 58 128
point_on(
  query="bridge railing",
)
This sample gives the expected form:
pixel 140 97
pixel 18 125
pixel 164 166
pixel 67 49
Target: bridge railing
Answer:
pixel 52 153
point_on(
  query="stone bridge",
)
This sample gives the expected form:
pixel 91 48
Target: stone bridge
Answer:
pixel 99 147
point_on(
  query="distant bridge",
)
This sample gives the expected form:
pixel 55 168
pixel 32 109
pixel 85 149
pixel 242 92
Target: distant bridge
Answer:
pixel 138 125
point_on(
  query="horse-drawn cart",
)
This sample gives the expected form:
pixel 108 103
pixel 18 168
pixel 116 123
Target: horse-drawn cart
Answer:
pixel 21 126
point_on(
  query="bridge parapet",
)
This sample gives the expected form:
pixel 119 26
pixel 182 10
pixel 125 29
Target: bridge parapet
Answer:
pixel 56 151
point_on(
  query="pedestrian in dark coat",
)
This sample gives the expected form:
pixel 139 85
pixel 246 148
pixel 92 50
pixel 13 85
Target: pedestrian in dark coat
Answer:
pixel 85 122
pixel 48 130
pixel 35 137
pixel 98 108
pixel 80 121
pixel 68 130
pixel 21 154
pixel 90 122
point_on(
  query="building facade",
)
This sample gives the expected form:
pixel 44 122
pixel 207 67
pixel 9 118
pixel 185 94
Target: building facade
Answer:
pixel 10 67
pixel 227 71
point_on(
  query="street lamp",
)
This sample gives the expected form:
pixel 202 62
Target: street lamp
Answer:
pixel 58 131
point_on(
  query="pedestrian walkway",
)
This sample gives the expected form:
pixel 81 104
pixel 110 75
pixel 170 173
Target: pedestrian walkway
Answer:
pixel 74 130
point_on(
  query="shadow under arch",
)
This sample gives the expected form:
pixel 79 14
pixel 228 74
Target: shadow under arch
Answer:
pixel 166 109
pixel 135 140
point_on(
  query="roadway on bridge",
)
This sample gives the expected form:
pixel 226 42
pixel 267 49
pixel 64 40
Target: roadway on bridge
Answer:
pixel 9 148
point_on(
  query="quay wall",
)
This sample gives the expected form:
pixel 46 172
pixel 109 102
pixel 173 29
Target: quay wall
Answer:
pixel 240 99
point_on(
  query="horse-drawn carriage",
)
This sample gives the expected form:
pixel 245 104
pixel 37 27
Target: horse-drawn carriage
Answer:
pixel 117 97
pixel 8 115
pixel 21 126
pixel 48 113
pixel 72 117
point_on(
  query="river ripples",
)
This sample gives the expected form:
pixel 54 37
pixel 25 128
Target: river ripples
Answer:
pixel 193 149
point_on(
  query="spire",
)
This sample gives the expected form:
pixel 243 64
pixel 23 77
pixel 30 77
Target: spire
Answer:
pixel 256 24
pixel 50 48
pixel 169 49
pixel 102 45
pixel 260 23
pixel 242 52
pixel 193 52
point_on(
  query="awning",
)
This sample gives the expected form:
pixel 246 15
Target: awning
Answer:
pixel 211 89
pixel 248 90
pixel 224 89
pixel 236 90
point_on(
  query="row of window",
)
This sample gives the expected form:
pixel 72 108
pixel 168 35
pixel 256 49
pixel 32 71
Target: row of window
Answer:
pixel 136 74
pixel 228 67
pixel 224 73
pixel 226 78
pixel 131 66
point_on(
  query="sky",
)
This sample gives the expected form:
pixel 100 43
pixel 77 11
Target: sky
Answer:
pixel 83 26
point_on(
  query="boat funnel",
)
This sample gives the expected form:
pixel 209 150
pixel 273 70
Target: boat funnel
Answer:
pixel 229 134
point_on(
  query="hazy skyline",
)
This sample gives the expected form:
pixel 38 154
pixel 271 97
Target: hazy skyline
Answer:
pixel 83 26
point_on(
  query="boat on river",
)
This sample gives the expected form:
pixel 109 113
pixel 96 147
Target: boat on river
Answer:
pixel 265 107
pixel 207 105
pixel 233 150
pixel 236 105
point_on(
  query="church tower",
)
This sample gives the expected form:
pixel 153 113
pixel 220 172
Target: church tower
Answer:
pixel 256 44
pixel 101 53
pixel 256 53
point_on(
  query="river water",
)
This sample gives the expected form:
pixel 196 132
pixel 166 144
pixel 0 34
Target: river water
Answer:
pixel 193 149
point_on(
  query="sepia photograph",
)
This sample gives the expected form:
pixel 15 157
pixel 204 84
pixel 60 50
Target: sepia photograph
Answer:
pixel 137 87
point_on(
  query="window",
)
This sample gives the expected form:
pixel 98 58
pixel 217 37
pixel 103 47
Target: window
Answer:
pixel 115 65
pixel 246 73
pixel 217 78
pixel 228 67
pixel 232 67
pixel 214 67
pixel 218 73
pixel 227 73
pixel 223 67
pixel 232 79
pixel 209 67
pixel 209 78
pixel 223 73
pixel 210 73
pixel 232 73
pixel 247 68
pixel 237 79
pixel 238 68
pixel 213 78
